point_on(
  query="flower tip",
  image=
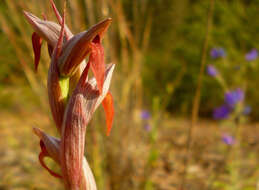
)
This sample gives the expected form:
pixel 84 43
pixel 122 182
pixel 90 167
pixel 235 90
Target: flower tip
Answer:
pixel 108 20
pixel 26 14
pixel 99 30
pixel 37 132
pixel 30 17
pixel 104 25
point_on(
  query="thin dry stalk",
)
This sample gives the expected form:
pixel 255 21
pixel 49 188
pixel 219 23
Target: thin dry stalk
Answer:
pixel 30 75
pixel 196 99
pixel 134 45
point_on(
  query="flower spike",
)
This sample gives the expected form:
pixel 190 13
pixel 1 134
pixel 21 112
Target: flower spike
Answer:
pixel 73 98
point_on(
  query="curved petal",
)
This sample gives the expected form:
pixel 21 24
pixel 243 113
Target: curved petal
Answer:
pixel 49 148
pixel 96 60
pixel 109 111
pixel 44 154
pixel 36 44
pixel 106 84
pixel 50 143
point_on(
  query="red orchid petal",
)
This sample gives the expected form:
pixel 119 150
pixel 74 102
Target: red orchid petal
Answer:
pixel 109 111
pixel 44 154
pixel 36 44
pixel 97 64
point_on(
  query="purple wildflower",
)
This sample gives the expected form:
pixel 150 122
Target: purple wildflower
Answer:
pixel 251 55
pixel 221 112
pixel 212 71
pixel 228 139
pixel 145 115
pixel 147 127
pixel 233 97
pixel 247 110
pixel 217 53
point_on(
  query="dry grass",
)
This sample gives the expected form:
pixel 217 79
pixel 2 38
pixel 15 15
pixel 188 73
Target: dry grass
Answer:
pixel 122 161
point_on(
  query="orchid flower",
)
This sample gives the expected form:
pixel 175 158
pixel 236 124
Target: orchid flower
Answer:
pixel 73 98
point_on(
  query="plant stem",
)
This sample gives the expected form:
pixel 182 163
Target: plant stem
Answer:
pixel 196 99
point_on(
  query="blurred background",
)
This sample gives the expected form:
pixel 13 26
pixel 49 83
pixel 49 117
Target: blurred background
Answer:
pixel 159 48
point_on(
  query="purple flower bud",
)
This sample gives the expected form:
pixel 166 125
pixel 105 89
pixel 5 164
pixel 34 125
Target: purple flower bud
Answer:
pixel 217 53
pixel 212 71
pixel 251 55
pixel 228 139
pixel 247 110
pixel 233 97
pixel 145 115
pixel 147 127
pixel 221 112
